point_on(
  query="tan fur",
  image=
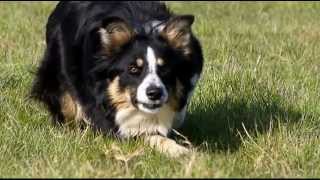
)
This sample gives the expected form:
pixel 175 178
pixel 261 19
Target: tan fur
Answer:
pixel 160 61
pixel 139 62
pixel 72 110
pixel 119 33
pixel 119 99
pixel 114 36
pixel 178 34
pixel 68 106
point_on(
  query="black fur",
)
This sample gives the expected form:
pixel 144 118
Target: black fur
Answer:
pixel 73 63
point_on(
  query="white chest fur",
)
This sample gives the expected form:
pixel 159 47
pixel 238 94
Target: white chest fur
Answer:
pixel 133 122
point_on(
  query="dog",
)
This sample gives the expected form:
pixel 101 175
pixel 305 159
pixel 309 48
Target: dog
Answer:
pixel 123 68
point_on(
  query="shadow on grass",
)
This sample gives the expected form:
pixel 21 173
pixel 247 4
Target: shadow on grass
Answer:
pixel 217 124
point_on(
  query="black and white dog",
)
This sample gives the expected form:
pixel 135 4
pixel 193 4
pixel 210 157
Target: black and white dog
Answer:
pixel 127 68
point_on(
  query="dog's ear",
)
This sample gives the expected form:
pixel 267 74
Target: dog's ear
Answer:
pixel 177 31
pixel 114 34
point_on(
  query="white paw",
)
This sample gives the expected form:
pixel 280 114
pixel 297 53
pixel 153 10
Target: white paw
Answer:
pixel 167 146
pixel 176 150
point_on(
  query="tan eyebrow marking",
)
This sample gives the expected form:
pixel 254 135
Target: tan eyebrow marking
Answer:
pixel 139 62
pixel 160 61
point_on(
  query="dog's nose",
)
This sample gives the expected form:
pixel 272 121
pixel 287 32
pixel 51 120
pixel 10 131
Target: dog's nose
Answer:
pixel 154 93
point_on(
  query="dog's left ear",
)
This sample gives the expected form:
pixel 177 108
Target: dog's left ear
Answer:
pixel 177 31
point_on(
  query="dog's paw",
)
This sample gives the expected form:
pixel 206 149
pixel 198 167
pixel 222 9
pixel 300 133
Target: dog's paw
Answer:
pixel 167 146
pixel 176 150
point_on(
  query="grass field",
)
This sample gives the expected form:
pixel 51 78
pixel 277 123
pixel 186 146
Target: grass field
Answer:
pixel 255 113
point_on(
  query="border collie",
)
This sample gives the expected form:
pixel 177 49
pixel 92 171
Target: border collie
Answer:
pixel 125 68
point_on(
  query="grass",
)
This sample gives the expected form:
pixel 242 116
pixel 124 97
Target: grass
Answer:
pixel 255 112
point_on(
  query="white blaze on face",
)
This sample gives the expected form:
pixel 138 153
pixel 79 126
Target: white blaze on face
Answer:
pixel 151 79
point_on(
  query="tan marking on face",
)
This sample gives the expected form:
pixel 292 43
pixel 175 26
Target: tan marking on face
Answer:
pixel 160 61
pixel 139 62
pixel 120 100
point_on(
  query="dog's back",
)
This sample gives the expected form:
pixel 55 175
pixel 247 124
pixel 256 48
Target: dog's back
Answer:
pixel 73 15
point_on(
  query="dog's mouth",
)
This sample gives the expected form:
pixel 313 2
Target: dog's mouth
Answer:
pixel 150 108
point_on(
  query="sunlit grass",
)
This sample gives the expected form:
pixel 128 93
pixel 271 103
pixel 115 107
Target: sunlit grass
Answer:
pixel 255 112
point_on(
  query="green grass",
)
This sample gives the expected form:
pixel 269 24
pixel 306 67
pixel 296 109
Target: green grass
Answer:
pixel 255 112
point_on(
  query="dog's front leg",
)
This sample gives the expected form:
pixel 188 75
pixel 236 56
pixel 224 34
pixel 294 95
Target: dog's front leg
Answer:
pixel 97 119
pixel 166 145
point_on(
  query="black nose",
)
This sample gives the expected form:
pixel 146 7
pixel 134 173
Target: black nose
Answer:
pixel 154 93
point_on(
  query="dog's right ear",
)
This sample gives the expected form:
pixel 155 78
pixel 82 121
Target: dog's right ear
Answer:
pixel 114 33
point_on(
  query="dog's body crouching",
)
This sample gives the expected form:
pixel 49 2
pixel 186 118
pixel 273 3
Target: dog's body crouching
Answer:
pixel 123 67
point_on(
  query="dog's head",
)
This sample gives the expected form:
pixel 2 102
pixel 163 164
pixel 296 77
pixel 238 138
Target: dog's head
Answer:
pixel 142 67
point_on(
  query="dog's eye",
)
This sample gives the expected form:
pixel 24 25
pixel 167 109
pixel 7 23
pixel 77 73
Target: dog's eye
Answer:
pixel 134 69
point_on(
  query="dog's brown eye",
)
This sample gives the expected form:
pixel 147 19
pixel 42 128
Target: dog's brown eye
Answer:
pixel 133 69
